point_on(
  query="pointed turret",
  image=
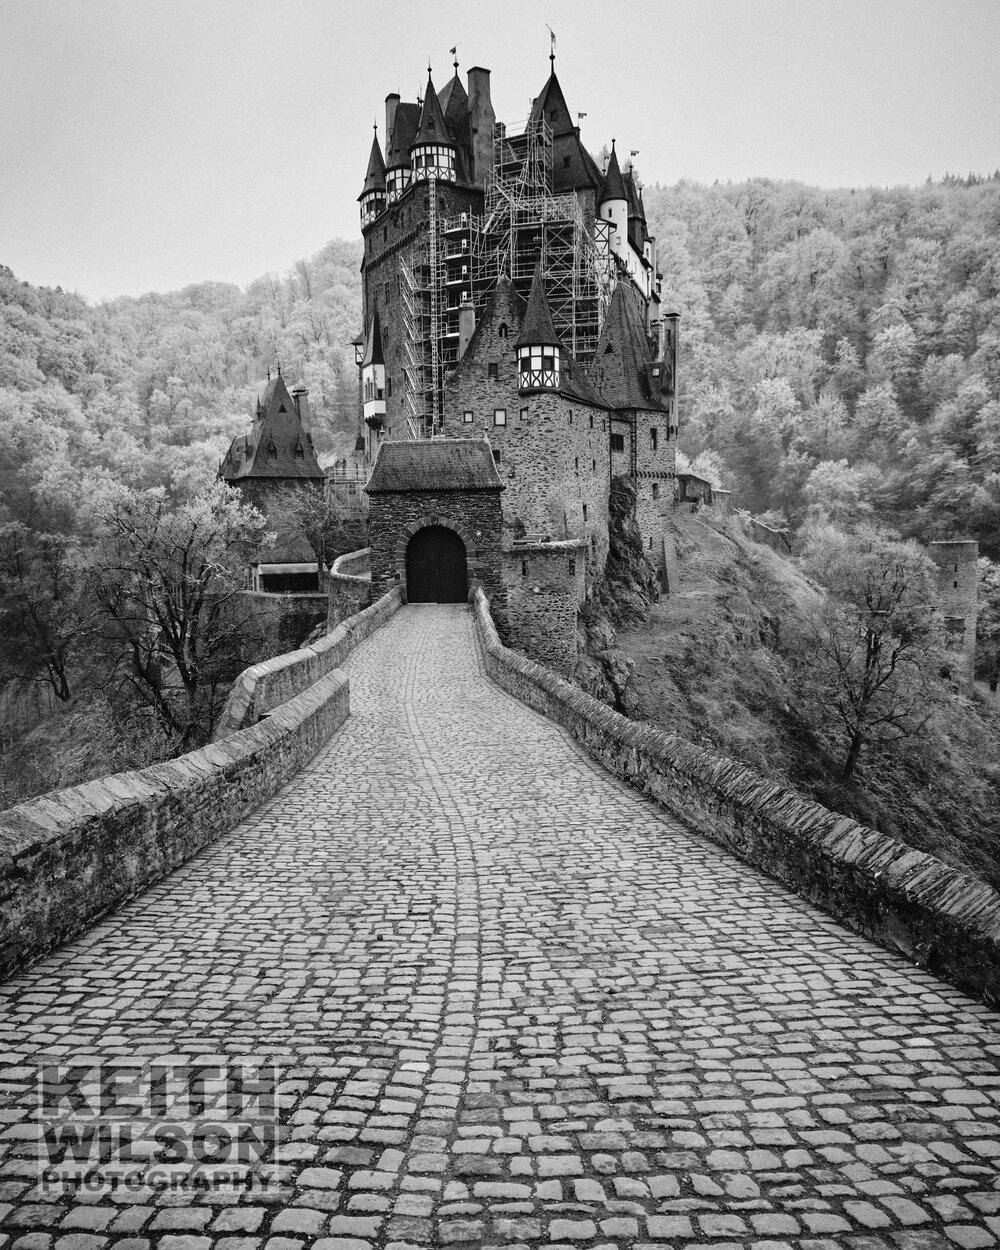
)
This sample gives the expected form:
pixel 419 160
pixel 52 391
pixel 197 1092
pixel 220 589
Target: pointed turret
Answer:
pixel 402 121
pixel 372 197
pixel 539 352
pixel 613 204
pixel 373 376
pixel 614 187
pixel 433 152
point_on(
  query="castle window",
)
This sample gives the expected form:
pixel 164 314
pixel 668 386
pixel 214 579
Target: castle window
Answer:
pixel 651 544
pixel 388 388
pixel 572 567
pixel 591 420
pixel 492 370
pixel 502 332
pixel 499 416
pixel 585 512
pixel 576 463
pixel 385 292
pixel 617 442
pixel 467 417
pixel 565 162
pixel 524 414
pixel 538 366
pixel 496 455
pixel 524 568
pixel 656 490
pixel 299 453
pixel 654 437
pixel 593 465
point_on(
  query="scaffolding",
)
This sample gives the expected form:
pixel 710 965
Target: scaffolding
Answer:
pixel 459 261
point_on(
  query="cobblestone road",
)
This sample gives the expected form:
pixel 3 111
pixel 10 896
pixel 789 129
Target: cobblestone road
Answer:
pixel 517 1006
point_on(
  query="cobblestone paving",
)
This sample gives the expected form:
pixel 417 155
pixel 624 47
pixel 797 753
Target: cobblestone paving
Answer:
pixel 518 1006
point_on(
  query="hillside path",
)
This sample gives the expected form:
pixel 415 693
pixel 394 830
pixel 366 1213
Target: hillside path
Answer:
pixel 514 1004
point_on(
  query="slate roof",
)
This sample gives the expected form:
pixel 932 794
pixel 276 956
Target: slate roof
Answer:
pixel 614 188
pixel 572 165
pixel 454 101
pixel 434 465
pixel 537 326
pixel 404 129
pixel 628 381
pixel 276 429
pixel 375 174
pixel 574 383
pixel 432 128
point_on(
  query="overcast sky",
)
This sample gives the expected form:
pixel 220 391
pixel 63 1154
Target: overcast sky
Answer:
pixel 147 144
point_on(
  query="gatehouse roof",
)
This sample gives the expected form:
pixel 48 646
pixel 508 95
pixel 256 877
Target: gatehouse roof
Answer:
pixel 440 464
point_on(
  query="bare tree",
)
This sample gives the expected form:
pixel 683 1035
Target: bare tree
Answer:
pixel 870 654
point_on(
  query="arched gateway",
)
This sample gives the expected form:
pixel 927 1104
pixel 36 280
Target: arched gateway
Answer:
pixel 434 522
pixel 436 567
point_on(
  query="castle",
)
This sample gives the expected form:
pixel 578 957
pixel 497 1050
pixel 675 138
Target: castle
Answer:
pixel 513 351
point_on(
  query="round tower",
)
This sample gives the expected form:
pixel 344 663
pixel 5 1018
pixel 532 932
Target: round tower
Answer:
pixel 372 197
pixel 433 153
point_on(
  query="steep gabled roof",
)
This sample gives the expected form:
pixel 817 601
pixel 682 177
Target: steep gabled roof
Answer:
pixel 454 101
pixel 624 368
pixel 405 125
pixel 614 187
pixel 432 128
pixel 537 326
pixel 572 165
pixel 373 343
pixel 277 446
pixel 434 465
pixel 375 175
pixel 634 196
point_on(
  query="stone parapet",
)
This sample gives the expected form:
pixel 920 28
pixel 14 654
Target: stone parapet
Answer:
pixel 71 856
pixel 267 685
pixel 939 917
pixel 350 586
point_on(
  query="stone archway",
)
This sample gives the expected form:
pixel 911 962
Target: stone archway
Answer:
pixel 436 566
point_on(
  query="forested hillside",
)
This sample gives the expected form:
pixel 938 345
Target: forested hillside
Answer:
pixel 149 391
pixel 841 349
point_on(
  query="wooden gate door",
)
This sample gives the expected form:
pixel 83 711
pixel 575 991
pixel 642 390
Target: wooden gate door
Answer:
pixel 435 567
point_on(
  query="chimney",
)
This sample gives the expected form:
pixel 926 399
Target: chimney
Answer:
pixel 466 326
pixel 390 120
pixel 482 119
pixel 300 398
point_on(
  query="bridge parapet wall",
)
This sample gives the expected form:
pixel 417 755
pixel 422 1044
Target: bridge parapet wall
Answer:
pixel 70 856
pixel 272 682
pixel 940 918
pixel 350 585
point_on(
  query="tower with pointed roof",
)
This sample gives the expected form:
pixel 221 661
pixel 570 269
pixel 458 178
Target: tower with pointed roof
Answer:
pixel 277 457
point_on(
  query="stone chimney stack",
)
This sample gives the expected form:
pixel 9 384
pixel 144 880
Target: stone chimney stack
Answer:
pixel 300 398
pixel 466 326
pixel 482 119
pixel 390 119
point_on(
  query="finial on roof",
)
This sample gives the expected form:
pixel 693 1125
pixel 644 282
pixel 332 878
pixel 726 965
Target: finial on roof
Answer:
pixel 552 48
pixel 269 373
pixel 279 368
pixel 454 53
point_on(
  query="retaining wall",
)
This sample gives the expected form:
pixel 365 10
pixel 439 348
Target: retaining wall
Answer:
pixel 942 919
pixel 272 682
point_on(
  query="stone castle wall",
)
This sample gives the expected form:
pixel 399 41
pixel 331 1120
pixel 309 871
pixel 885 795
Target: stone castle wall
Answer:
pixel 553 453
pixel 936 916
pixel 350 586
pixel 546 585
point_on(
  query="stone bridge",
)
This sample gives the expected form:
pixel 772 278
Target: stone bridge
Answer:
pixel 512 1003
